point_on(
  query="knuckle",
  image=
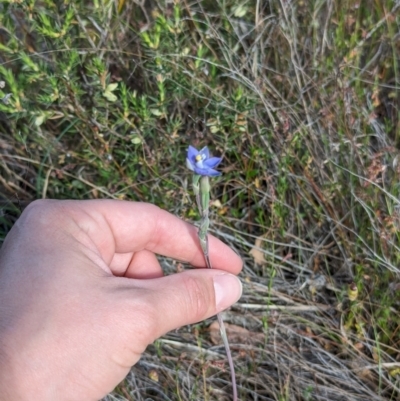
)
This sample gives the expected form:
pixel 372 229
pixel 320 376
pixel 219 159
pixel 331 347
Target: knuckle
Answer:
pixel 46 217
pixel 37 212
pixel 36 206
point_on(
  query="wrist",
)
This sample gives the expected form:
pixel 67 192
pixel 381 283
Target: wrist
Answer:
pixel 16 377
pixel 5 373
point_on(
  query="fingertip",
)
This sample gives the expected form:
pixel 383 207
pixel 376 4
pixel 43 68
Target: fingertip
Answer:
pixel 228 290
pixel 188 297
pixel 224 257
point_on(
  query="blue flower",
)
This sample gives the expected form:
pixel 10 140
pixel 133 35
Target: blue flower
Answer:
pixel 201 163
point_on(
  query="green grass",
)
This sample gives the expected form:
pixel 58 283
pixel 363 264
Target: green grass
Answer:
pixel 302 101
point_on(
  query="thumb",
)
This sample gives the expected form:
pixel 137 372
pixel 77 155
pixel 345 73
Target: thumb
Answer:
pixel 188 297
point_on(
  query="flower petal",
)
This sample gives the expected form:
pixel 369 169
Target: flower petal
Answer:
pixel 192 153
pixel 206 171
pixel 205 152
pixel 189 164
pixel 203 165
pixel 212 161
pixel 213 173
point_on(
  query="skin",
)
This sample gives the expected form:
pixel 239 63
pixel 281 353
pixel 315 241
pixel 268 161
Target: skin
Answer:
pixel 82 294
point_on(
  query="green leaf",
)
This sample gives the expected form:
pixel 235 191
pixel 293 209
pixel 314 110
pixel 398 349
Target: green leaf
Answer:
pixel 136 140
pixel 240 11
pixel 112 87
pixel 110 96
pixel 39 120
pixel 156 112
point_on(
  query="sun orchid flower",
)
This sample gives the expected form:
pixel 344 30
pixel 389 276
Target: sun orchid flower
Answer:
pixel 201 163
pixel 203 166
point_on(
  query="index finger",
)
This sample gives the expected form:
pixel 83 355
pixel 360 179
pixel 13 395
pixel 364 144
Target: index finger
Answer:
pixel 122 227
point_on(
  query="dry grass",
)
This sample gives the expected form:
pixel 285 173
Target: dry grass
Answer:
pixel 301 99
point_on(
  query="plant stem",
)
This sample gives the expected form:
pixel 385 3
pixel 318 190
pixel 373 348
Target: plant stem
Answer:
pixel 202 192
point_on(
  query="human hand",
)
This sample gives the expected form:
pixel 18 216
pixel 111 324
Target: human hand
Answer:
pixel 82 294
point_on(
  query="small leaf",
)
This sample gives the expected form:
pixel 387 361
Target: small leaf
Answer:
pixel 39 120
pixel 156 112
pixel 110 96
pixel 112 87
pixel 153 375
pixel 257 253
pixel 240 11
pixel 394 372
pixel 136 140
pixel 120 6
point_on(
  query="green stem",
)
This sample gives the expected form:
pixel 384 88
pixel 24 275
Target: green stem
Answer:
pixel 196 191
pixel 202 192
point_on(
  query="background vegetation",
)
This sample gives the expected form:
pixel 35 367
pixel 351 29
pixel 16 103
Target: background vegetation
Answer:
pixel 101 98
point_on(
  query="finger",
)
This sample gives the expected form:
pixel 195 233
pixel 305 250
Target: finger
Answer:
pixel 144 265
pixel 120 262
pixel 186 298
pixel 124 227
